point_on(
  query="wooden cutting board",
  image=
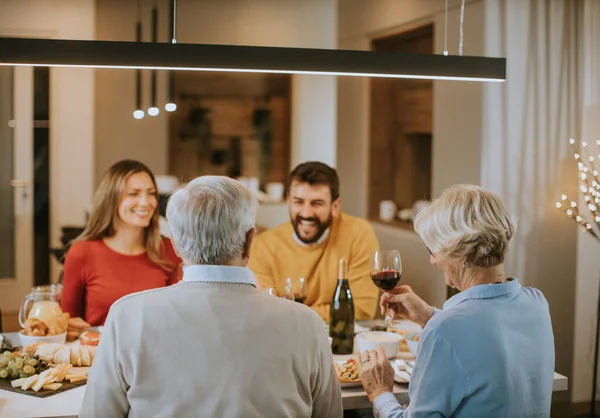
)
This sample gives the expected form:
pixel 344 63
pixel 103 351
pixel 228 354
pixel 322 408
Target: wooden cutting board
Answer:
pixel 43 393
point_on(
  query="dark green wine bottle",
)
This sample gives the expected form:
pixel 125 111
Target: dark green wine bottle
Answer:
pixel 341 314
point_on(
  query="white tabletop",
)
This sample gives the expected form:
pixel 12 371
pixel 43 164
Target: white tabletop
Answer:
pixel 68 403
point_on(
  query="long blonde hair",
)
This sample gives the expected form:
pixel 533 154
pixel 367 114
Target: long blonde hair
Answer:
pixel 105 205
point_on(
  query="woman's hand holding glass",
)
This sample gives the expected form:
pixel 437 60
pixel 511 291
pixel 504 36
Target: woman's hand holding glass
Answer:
pixel 402 301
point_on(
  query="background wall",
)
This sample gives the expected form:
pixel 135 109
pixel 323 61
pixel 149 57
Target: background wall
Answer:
pixel 457 105
pixel 72 104
pixel 295 23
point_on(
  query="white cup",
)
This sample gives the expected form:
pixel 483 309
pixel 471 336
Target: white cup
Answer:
pixel 387 210
pixel 253 184
pixel 243 180
pixel 275 191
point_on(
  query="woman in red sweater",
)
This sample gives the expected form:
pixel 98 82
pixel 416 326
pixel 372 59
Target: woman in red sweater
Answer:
pixel 121 250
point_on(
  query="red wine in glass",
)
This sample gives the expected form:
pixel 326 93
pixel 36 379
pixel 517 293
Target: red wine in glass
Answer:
pixel 386 280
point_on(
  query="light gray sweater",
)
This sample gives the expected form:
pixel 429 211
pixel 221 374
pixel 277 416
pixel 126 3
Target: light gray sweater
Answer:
pixel 212 349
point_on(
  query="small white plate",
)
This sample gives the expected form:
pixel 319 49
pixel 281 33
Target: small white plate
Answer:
pixel 400 376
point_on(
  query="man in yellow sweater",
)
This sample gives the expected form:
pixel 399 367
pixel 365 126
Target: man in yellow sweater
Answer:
pixel 311 245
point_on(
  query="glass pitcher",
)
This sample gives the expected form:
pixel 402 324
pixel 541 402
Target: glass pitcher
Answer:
pixel 42 303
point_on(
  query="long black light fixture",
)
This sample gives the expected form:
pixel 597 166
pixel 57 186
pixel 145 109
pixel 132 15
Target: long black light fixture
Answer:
pixel 249 59
pixel 138 113
pixel 153 109
pixel 171 106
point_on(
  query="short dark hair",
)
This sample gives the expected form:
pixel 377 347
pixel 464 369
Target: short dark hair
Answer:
pixel 314 172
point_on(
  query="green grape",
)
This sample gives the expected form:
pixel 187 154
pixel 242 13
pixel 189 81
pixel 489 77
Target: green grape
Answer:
pixel 18 364
pixel 11 364
pixel 32 362
pixel 29 370
pixel 7 354
pixel 3 361
pixel 3 374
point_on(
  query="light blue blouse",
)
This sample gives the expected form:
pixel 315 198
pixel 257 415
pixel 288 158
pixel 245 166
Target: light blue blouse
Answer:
pixel 488 353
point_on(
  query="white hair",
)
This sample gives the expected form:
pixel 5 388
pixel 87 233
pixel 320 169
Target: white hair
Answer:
pixel 210 218
pixel 467 224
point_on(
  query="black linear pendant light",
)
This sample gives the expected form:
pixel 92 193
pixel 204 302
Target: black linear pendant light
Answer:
pixel 138 113
pixel 202 57
pixel 153 109
pixel 170 106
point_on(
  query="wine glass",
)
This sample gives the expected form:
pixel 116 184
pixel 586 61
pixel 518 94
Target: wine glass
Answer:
pixel 386 272
pixel 298 288
pixel 284 292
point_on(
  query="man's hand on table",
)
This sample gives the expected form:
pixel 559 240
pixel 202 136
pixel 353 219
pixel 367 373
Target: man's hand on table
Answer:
pixel 376 373
pixel 404 302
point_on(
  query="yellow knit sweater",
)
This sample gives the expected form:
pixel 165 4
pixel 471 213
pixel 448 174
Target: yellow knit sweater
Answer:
pixel 276 255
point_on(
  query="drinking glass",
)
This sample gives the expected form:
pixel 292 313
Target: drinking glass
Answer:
pixel 284 292
pixel 298 288
pixel 386 272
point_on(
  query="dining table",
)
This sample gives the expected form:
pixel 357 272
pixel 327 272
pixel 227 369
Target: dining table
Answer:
pixel 68 403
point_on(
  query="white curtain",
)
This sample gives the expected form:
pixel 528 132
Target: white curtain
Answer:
pixel 588 250
pixel 528 121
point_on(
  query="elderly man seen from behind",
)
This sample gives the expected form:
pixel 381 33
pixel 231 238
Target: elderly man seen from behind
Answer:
pixel 212 345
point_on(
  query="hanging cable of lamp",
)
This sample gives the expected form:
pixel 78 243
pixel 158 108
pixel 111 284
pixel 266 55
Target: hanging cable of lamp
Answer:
pixel 462 20
pixel 170 106
pixel 153 110
pixel 138 113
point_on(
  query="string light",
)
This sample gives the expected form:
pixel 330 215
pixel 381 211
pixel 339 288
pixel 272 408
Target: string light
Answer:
pixel 588 216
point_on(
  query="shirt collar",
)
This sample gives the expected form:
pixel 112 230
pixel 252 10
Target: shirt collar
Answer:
pixel 319 241
pixel 484 291
pixel 218 274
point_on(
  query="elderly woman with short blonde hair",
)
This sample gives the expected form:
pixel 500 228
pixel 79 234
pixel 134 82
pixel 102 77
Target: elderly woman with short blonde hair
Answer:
pixel 490 351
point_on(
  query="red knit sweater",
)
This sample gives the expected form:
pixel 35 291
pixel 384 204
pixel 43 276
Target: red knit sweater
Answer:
pixel 95 276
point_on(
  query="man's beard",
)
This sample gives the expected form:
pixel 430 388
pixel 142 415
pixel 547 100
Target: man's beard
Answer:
pixel 321 228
